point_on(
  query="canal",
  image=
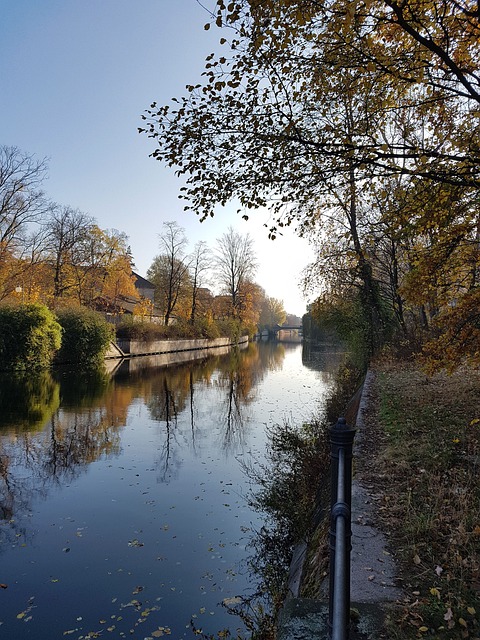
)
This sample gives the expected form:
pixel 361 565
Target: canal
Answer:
pixel 124 507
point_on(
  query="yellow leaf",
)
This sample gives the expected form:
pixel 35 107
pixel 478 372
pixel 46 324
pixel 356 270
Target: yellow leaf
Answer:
pixel 462 622
pixel 423 629
pixel 471 611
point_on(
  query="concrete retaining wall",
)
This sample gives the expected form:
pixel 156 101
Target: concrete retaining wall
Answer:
pixel 130 348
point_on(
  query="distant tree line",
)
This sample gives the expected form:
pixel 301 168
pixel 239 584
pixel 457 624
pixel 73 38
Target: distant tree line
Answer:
pixel 58 256
pixel 183 282
pixel 52 253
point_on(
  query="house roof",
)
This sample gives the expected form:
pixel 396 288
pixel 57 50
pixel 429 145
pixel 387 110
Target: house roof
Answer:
pixel 143 283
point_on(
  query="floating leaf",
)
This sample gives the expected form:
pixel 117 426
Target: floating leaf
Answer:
pixel 135 543
pixel 230 601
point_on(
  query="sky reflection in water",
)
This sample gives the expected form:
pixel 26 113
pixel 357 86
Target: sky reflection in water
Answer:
pixel 123 506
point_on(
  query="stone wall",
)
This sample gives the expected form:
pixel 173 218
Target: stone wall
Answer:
pixel 129 348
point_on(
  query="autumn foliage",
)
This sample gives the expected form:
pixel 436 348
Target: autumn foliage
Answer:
pixel 359 124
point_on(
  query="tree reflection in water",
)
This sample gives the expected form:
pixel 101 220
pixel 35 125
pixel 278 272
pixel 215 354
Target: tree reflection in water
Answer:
pixel 188 424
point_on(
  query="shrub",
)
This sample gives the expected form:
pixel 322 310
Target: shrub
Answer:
pixel 131 329
pixel 231 328
pixel 86 336
pixel 29 336
pixel 207 328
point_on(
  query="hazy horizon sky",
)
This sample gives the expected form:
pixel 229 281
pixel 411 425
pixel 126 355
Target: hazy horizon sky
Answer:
pixel 76 77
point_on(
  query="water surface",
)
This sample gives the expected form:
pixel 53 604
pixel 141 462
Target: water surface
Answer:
pixel 123 500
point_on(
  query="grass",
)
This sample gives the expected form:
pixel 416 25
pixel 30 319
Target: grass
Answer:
pixel 426 465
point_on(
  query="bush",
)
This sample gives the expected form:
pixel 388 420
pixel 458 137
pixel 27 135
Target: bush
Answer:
pixel 29 336
pixel 86 336
pixel 131 329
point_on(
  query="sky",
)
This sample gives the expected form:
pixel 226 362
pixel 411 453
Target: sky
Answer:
pixel 75 78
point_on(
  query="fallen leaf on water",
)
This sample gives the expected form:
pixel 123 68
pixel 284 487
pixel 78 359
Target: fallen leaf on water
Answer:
pixel 135 543
pixel 230 601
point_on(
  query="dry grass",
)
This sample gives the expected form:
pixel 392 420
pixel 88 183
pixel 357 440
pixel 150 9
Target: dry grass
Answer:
pixel 423 457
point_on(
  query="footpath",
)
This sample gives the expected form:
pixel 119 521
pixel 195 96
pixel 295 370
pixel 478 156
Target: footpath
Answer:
pixel 373 571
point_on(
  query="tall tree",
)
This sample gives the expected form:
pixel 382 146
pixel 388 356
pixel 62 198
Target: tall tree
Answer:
pixel 106 275
pixel 22 204
pixel 314 106
pixel 21 199
pixel 169 271
pixel 272 312
pixel 67 247
pixel 199 264
pixel 235 263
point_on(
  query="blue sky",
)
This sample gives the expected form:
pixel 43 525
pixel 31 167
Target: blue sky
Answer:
pixel 76 75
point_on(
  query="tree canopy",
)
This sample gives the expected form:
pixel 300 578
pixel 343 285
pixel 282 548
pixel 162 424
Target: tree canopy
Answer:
pixel 358 122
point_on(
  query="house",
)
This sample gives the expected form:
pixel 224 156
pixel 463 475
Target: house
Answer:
pixel 145 288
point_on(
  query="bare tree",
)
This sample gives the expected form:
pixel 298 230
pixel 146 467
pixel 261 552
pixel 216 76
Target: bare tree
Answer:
pixel 22 203
pixel 236 262
pixel 169 272
pixel 200 263
pixel 66 245
pixel 21 199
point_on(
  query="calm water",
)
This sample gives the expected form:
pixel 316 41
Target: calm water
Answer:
pixel 123 509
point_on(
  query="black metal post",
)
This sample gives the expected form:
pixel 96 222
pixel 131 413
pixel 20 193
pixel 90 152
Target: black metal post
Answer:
pixel 340 535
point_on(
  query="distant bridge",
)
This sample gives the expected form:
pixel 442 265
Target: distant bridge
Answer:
pixel 293 329
pixel 287 327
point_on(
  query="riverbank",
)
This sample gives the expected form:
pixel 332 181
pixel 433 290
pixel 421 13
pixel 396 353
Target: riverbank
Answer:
pixel 415 512
pixel 131 348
